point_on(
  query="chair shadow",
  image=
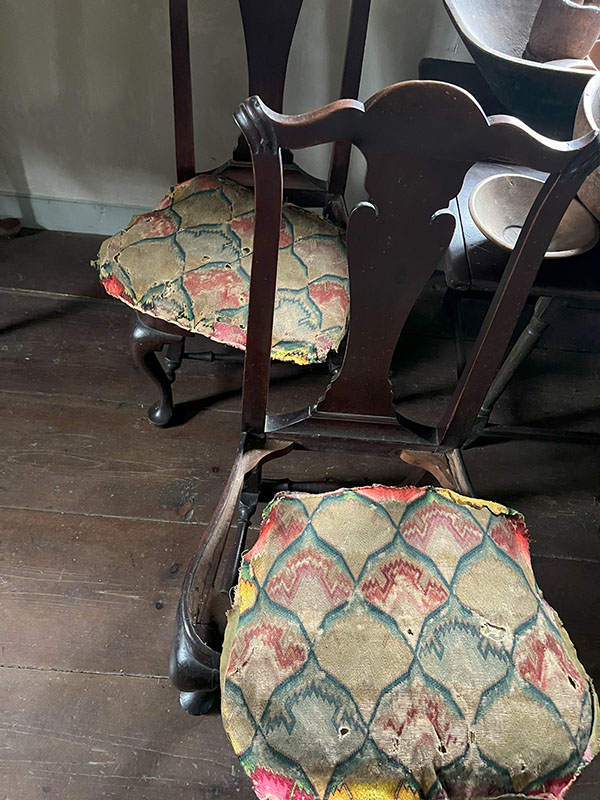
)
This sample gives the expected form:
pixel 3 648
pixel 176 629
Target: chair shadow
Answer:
pixel 188 409
pixel 65 308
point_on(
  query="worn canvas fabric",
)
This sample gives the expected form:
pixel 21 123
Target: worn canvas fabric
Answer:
pixel 188 262
pixel 392 644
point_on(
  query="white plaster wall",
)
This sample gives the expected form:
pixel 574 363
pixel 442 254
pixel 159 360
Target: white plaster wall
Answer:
pixel 85 93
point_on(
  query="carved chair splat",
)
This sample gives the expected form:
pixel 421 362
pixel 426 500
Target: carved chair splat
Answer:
pixel 395 241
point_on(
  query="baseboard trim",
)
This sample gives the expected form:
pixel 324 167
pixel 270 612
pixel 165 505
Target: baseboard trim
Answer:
pixel 75 216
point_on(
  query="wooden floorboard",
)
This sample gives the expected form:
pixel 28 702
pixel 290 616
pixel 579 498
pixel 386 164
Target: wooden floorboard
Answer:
pixel 100 512
pixel 91 593
pixel 72 736
pixel 555 485
pixel 51 261
pixel 77 348
pixel 59 454
pixel 572 588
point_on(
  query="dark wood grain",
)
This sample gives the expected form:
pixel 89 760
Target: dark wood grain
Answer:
pixel 51 261
pixel 572 588
pixel 47 340
pixel 98 584
pixel 60 454
pixel 109 736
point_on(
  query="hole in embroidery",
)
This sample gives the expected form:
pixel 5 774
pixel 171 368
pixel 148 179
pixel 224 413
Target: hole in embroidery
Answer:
pixel 410 633
pixel 344 732
pixel 442 749
pixel 572 682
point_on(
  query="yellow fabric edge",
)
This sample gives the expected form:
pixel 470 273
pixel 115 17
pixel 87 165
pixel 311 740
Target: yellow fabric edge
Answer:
pixel 496 508
pixel 233 617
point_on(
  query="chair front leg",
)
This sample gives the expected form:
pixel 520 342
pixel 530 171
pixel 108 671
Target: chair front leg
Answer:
pixel 201 614
pixel 147 337
pixel 459 473
pixel 448 468
pixel 194 670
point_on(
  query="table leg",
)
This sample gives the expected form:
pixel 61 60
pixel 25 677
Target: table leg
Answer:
pixel 546 310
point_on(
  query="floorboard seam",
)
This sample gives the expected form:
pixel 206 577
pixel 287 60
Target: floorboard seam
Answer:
pixel 102 401
pixel 57 295
pixel 84 672
pixel 582 560
pixel 199 523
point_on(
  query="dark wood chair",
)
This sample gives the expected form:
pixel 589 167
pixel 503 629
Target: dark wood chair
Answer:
pixel 419 139
pixel 268 31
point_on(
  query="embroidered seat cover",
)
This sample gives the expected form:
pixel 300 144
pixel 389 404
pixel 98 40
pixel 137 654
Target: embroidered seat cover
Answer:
pixel 392 644
pixel 188 262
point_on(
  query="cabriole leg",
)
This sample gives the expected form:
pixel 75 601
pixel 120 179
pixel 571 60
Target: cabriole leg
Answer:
pixel 144 342
pixel 198 681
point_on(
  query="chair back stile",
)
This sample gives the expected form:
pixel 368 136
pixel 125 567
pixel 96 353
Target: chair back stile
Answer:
pixel 183 108
pixel 263 282
pixel 395 242
pixel 355 50
pixel 268 33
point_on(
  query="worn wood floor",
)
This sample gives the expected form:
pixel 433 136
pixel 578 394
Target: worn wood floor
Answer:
pixel 99 513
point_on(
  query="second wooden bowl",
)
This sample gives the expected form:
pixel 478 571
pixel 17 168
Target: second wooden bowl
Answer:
pixel 499 206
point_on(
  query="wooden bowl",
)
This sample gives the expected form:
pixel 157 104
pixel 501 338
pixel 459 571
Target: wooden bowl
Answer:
pixel 496 34
pixel 499 206
pixel 588 119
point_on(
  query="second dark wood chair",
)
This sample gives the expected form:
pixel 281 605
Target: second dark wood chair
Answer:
pixel 184 267
pixel 474 266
